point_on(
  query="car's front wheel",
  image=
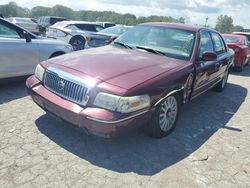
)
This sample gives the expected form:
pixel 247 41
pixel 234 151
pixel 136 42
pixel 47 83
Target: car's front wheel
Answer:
pixel 164 118
pixel 78 43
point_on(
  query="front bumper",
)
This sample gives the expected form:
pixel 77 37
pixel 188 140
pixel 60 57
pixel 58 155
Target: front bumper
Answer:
pixel 96 121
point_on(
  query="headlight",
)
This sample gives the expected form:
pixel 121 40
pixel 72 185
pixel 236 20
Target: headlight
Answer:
pixel 122 104
pixel 39 72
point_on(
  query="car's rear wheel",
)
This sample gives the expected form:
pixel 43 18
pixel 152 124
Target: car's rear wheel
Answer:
pixel 222 84
pixel 164 118
pixel 78 43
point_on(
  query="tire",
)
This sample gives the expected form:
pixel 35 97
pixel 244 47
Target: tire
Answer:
pixel 222 84
pixel 164 119
pixel 78 43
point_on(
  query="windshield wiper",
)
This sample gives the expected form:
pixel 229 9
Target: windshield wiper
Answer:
pixel 151 50
pixel 124 45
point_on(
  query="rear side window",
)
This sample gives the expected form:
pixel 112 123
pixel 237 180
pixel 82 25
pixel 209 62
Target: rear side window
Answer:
pixel 220 47
pixel 206 43
pixel 106 25
pixel 86 27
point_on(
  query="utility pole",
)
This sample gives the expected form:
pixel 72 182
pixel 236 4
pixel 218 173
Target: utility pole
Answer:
pixel 206 21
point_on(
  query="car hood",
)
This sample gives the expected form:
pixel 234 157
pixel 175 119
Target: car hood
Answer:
pixel 121 67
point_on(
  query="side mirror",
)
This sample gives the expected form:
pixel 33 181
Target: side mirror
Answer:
pixel 209 56
pixel 27 37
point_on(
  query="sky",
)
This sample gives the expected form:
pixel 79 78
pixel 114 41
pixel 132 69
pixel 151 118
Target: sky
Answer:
pixel 194 11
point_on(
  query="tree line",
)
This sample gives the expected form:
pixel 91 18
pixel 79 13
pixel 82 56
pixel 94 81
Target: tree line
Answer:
pixel 224 23
pixel 13 10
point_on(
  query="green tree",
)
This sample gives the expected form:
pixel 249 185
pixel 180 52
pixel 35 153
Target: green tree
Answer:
pixel 12 9
pixel 238 28
pixel 224 24
pixel 40 11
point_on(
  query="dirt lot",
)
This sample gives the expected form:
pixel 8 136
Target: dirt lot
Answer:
pixel 209 148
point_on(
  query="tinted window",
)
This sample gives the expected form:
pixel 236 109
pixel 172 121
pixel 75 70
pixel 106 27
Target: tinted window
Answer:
pixel 106 25
pixel 54 20
pixel 206 43
pixel 248 37
pixel 7 32
pixel 86 27
pixel 219 44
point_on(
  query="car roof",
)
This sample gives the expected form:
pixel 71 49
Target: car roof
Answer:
pixel 242 33
pixel 176 25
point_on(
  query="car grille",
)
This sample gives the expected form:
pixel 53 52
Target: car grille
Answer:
pixel 65 88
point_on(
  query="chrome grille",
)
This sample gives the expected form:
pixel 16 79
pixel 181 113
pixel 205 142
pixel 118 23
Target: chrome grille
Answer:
pixel 66 88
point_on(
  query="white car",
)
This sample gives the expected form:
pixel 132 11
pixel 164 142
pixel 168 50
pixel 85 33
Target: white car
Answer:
pixel 21 51
pixel 75 33
pixel 27 23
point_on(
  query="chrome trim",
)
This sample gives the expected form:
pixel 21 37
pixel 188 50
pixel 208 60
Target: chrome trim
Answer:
pixel 73 81
pixel 170 93
pixel 117 121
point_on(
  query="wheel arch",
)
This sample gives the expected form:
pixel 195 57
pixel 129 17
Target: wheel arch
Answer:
pixel 77 36
pixel 177 90
pixel 57 53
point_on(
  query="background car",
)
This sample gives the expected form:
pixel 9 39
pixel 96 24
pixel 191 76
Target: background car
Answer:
pixel 106 24
pixel 27 23
pixel 247 34
pixel 75 33
pixel 45 21
pixel 21 51
pixel 106 36
pixel 240 45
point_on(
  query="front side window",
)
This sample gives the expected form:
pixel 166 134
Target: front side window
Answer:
pixel 176 43
pixel 206 43
pixel 219 44
pixel 7 32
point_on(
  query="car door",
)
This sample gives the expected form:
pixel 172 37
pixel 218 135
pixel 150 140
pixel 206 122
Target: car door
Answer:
pixel 222 56
pixel 205 70
pixel 247 44
pixel 17 57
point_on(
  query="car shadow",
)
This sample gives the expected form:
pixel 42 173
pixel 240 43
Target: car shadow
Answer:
pixel 143 155
pixel 245 72
pixel 11 90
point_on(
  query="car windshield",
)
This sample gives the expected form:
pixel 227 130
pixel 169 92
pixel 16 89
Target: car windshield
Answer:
pixel 176 43
pixel 231 39
pixel 116 30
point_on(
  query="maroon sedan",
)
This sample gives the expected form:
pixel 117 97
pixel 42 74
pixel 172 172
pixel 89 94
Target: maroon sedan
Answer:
pixel 240 45
pixel 142 78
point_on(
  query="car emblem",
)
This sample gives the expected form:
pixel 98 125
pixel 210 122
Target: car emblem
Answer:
pixel 61 84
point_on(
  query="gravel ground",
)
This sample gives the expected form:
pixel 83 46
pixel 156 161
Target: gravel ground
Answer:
pixel 209 148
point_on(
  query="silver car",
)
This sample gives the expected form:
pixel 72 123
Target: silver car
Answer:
pixel 21 51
